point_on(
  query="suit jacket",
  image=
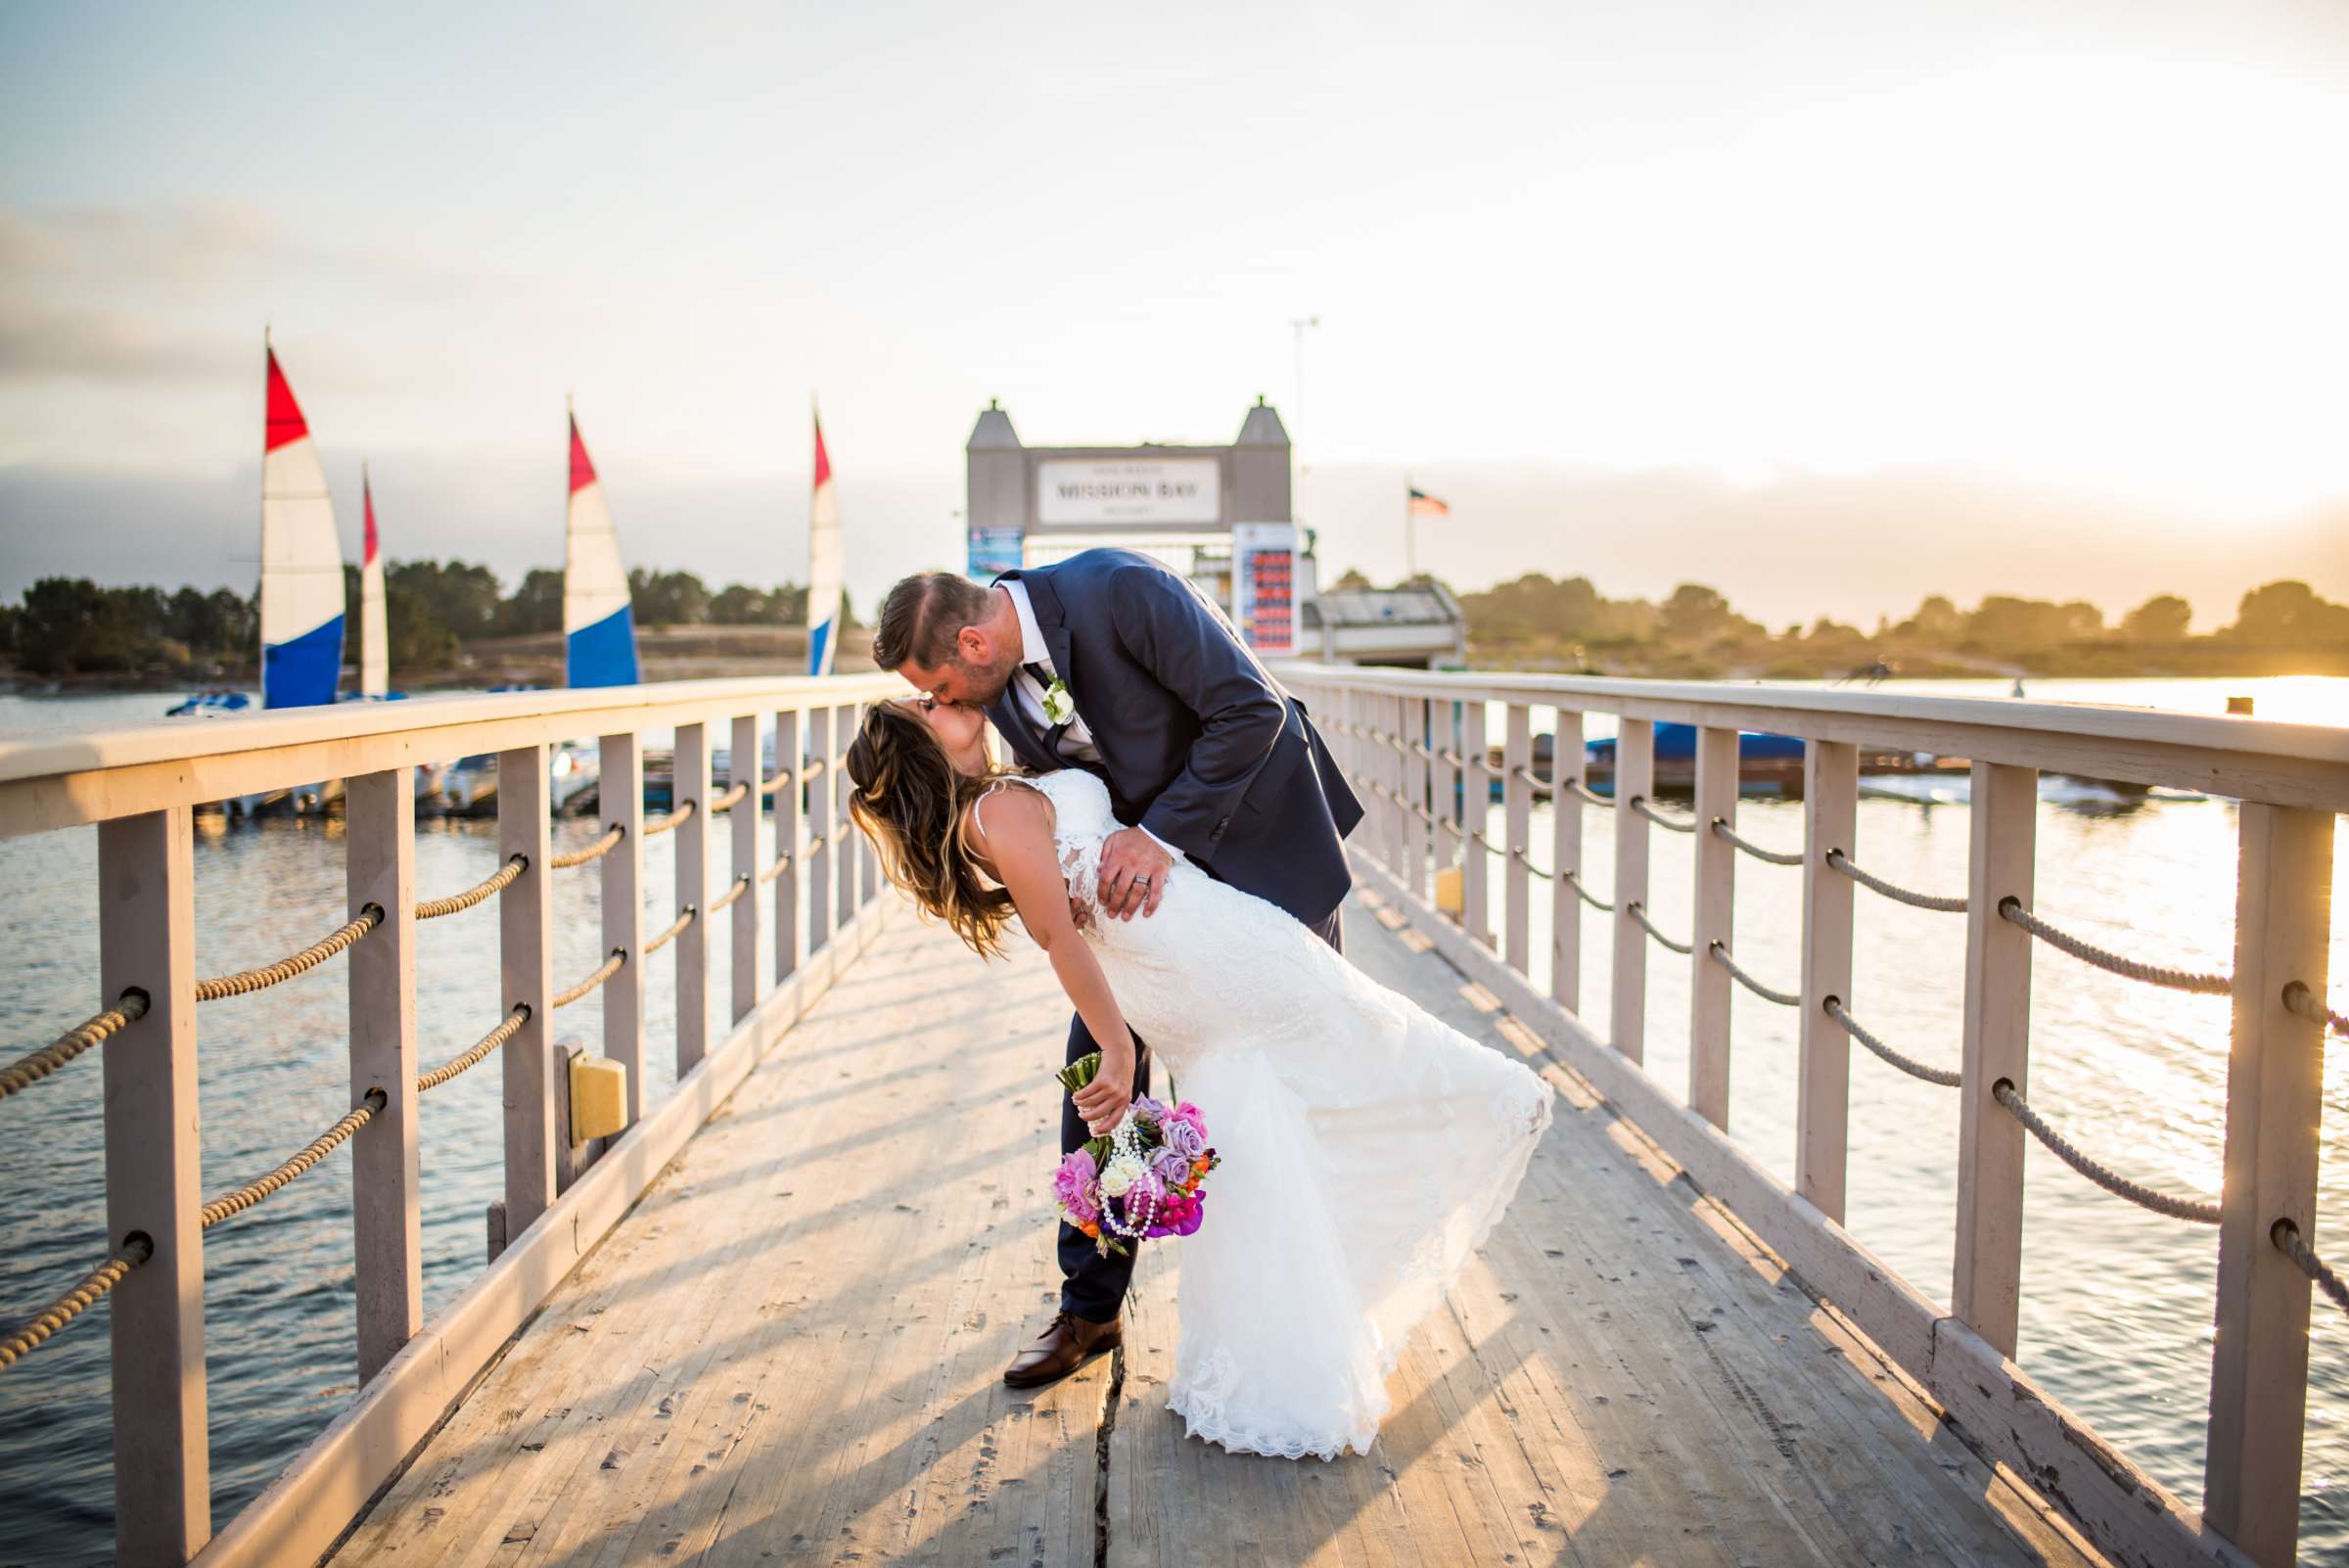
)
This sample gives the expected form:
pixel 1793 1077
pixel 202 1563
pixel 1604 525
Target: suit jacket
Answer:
pixel 1198 742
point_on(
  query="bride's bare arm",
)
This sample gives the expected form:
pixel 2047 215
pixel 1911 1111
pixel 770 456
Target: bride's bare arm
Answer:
pixel 1013 829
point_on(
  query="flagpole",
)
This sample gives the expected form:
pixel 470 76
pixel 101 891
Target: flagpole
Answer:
pixel 1411 534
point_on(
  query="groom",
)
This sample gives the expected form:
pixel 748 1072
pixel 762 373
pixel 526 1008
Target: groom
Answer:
pixel 1110 661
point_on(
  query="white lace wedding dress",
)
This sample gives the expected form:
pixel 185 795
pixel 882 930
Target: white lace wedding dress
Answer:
pixel 1368 1148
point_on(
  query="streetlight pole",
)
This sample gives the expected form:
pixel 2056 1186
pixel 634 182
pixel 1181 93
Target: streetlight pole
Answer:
pixel 1298 326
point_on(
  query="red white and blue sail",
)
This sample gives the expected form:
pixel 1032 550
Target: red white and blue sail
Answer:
pixel 375 658
pixel 599 635
pixel 825 561
pixel 301 560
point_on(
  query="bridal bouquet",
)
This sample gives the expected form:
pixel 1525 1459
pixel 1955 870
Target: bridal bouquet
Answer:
pixel 1142 1179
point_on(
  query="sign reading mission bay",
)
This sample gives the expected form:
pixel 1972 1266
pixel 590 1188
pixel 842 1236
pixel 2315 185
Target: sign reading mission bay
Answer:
pixel 1076 492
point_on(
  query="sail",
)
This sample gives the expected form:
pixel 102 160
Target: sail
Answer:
pixel 301 560
pixel 825 558
pixel 599 636
pixel 374 660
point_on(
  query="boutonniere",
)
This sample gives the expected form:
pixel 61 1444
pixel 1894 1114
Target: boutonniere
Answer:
pixel 1059 706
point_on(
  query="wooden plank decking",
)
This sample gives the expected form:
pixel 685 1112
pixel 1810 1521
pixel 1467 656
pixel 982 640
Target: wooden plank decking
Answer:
pixel 790 1352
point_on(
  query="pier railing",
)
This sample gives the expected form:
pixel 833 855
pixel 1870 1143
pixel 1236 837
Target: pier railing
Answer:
pixel 816 883
pixel 1418 750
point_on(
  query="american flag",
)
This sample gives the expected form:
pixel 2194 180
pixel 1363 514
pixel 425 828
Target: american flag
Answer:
pixel 1426 505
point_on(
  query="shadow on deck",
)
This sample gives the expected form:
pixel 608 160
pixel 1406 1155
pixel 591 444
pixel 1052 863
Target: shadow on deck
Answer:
pixel 791 1352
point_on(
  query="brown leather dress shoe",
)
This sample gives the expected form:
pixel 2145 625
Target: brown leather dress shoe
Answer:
pixel 1067 1345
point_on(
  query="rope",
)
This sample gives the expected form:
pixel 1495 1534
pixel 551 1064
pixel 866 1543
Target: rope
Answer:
pixel 1586 894
pixel 1640 806
pixel 594 852
pixel 31 1069
pixel 2297 997
pixel 676 815
pixel 1640 915
pixel 2128 968
pixel 2112 1181
pixel 73 1302
pixel 1532 779
pixel 1907 1064
pixel 2286 1237
pixel 481 1047
pixel 1785 998
pixel 1723 830
pixel 602 972
pixel 248 980
pixel 742 885
pixel 1588 796
pixel 671 935
pixel 812 845
pixel 731 799
pixel 782 863
pixel 814 767
pixel 769 786
pixel 1899 895
pixel 433 908
pixel 1525 860
pixel 317 1149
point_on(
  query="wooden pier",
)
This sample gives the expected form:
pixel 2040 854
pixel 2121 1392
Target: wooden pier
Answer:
pixel 792 1351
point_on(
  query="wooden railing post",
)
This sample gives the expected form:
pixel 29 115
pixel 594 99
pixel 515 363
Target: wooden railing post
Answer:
pixel 379 869
pixel 1476 816
pixel 1565 855
pixel 619 791
pixel 692 783
pixel 1713 902
pixel 742 767
pixel 1822 1101
pixel 786 841
pixel 1452 797
pixel 1517 827
pixel 153 1188
pixel 525 924
pixel 1635 779
pixel 1986 1294
pixel 1390 773
pixel 1415 776
pixel 820 830
pixel 2274 1103
pixel 843 727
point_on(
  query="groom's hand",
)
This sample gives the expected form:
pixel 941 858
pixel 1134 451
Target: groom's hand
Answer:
pixel 1133 874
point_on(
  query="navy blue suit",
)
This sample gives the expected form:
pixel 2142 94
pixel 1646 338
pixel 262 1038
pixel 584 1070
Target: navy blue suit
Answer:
pixel 1199 745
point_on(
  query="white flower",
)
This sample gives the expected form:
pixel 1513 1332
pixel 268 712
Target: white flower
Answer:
pixel 1122 1173
pixel 1059 706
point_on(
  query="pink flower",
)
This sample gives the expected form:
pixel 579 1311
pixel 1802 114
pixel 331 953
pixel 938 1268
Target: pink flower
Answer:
pixel 1180 1214
pixel 1074 1185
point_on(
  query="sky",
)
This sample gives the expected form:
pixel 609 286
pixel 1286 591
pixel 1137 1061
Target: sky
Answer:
pixel 1830 305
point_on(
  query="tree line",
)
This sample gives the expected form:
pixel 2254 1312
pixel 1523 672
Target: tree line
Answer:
pixel 74 626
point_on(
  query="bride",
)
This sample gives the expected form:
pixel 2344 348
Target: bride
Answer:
pixel 1366 1146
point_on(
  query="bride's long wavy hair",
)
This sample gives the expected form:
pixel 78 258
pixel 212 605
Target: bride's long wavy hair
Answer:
pixel 909 799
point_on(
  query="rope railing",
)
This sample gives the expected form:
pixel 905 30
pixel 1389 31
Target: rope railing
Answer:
pixel 2289 1241
pixel 1893 890
pixel 782 864
pixel 474 1053
pixel 742 885
pixel 1575 881
pixel 731 799
pixel 2103 1175
pixel 34 1066
pixel 602 972
pixel 229 1204
pixel 85 1293
pixel 245 982
pixel 814 767
pixel 1525 860
pixel 1785 998
pixel 813 844
pixel 1944 1077
pixel 677 814
pixel 498 881
pixel 769 786
pixel 1671 823
pixel 1588 796
pixel 1640 913
pixel 594 852
pixel 671 935
pixel 2300 1000
pixel 1721 830
pixel 2012 908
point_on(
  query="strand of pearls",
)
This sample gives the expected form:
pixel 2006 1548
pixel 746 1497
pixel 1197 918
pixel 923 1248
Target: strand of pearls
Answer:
pixel 1126 1143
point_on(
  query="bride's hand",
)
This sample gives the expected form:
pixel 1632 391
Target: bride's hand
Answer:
pixel 1104 1101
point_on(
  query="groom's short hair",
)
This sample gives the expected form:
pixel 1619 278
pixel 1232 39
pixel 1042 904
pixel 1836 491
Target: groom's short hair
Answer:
pixel 922 617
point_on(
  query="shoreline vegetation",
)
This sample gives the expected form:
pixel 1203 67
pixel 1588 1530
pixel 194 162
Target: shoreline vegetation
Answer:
pixel 453 625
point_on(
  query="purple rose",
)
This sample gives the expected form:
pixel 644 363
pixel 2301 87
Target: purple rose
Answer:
pixel 1072 1185
pixel 1147 1106
pixel 1184 1136
pixel 1172 1167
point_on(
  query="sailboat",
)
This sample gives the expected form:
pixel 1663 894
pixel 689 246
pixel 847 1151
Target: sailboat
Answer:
pixel 825 560
pixel 599 633
pixel 375 661
pixel 302 560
